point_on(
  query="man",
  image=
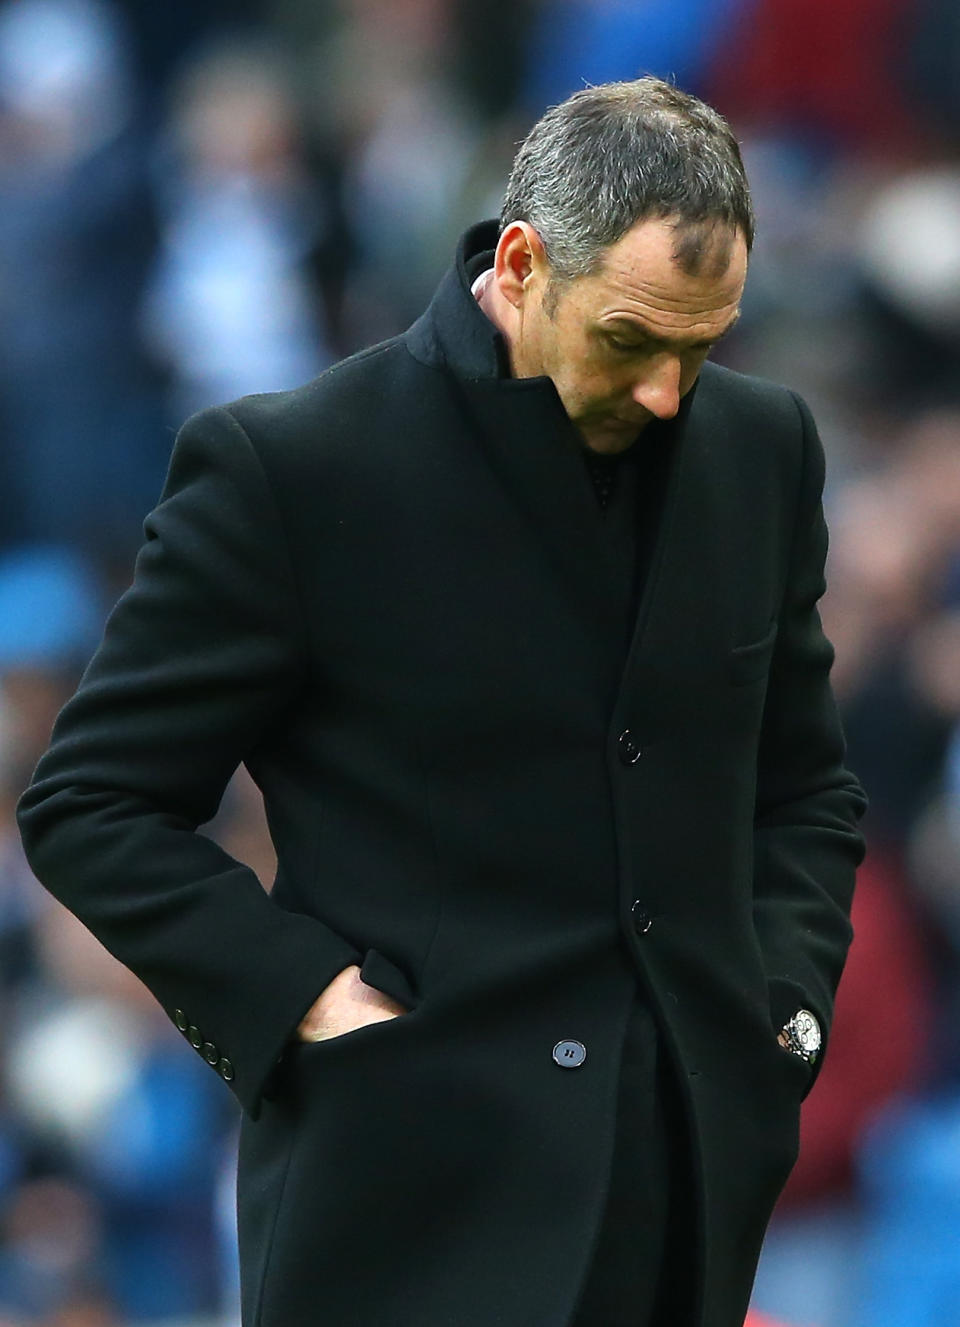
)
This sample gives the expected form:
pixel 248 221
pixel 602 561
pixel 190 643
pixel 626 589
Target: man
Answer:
pixel 566 844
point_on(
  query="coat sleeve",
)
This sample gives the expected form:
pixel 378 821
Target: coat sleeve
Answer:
pixel 198 660
pixel 806 842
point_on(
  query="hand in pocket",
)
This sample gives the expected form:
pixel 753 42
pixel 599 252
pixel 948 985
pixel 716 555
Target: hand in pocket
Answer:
pixel 345 1004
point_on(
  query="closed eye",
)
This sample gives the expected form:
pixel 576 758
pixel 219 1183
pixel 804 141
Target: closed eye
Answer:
pixel 628 347
pixel 657 347
pixel 651 346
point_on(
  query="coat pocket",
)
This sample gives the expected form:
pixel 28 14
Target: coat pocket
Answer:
pixel 377 970
pixel 749 663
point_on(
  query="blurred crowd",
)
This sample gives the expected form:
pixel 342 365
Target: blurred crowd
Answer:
pixel 202 200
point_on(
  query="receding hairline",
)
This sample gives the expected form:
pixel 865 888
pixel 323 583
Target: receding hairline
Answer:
pixel 705 248
pixel 701 248
pixel 688 165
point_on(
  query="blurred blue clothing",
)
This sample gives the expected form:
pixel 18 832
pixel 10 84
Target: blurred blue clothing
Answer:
pixel 12 1157
pixel 593 41
pixel 51 609
pixel 804 1274
pixel 909 1271
pixel 83 450
pixel 155 1169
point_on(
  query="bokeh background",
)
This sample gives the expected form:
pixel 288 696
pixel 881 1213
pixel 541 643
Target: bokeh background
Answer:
pixel 199 200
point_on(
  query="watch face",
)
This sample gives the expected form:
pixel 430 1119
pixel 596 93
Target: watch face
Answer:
pixel 807 1030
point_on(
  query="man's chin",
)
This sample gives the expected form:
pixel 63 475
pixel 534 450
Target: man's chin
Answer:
pixel 610 434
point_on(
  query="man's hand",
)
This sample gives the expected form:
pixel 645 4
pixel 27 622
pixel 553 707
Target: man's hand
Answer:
pixel 347 1003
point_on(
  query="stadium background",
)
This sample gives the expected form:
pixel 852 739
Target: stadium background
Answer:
pixel 201 200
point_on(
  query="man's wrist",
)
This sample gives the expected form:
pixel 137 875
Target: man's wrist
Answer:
pixel 801 1036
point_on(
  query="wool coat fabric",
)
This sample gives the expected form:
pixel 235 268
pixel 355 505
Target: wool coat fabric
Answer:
pixel 388 593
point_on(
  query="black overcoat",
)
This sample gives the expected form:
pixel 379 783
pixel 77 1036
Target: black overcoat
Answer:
pixel 388 594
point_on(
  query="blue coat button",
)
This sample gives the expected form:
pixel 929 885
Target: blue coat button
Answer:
pixel 569 1054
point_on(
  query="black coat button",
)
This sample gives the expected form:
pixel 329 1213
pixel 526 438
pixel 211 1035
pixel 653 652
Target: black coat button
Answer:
pixel 194 1037
pixel 569 1054
pixel 181 1020
pixel 628 748
pixel 225 1070
pixel 642 921
pixel 210 1052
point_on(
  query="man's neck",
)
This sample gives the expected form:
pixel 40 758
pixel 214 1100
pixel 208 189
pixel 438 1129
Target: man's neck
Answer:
pixel 487 294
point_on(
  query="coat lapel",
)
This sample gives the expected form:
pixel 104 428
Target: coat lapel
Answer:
pixel 680 610
pixel 536 454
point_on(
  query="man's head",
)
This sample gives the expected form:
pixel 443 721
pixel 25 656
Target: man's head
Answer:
pixel 624 238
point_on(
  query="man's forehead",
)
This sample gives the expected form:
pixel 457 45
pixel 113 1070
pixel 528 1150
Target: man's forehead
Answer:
pixel 676 264
pixel 705 249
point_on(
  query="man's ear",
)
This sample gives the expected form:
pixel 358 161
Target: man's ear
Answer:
pixel 520 263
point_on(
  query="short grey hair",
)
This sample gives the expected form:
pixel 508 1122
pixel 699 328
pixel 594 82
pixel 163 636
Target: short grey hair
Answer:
pixel 620 153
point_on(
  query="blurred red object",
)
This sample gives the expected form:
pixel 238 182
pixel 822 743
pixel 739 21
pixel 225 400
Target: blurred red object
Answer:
pixel 829 65
pixel 761 1320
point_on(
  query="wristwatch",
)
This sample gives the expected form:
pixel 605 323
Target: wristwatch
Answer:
pixel 801 1035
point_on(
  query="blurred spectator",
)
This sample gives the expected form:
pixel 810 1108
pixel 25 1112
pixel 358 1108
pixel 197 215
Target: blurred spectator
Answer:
pixel 106 1165
pixel 388 74
pixel 933 65
pixel 909 1273
pixel 230 309
pixel 50 618
pixel 490 70
pixel 896 547
pixel 879 1051
pixel 828 68
pixel 910 263
pixel 165 33
pixel 82 450
pixel 102 1086
pixel 50 1247
pixel 576 42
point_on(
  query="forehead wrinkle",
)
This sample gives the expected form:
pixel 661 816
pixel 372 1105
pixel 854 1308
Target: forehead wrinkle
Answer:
pixel 644 268
pixel 668 297
pixel 653 320
pixel 638 325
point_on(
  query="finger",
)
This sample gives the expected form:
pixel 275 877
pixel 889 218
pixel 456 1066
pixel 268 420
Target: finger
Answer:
pixel 327 1032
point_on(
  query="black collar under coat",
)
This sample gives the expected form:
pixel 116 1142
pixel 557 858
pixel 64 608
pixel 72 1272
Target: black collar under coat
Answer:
pixel 537 454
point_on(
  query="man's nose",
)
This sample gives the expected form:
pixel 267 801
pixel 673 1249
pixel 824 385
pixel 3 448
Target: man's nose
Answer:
pixel 659 389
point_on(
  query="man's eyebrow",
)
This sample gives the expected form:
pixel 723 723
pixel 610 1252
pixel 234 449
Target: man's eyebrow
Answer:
pixel 643 333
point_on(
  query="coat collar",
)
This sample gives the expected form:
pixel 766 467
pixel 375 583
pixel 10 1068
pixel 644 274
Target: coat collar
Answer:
pixel 537 454
pixel 454 331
